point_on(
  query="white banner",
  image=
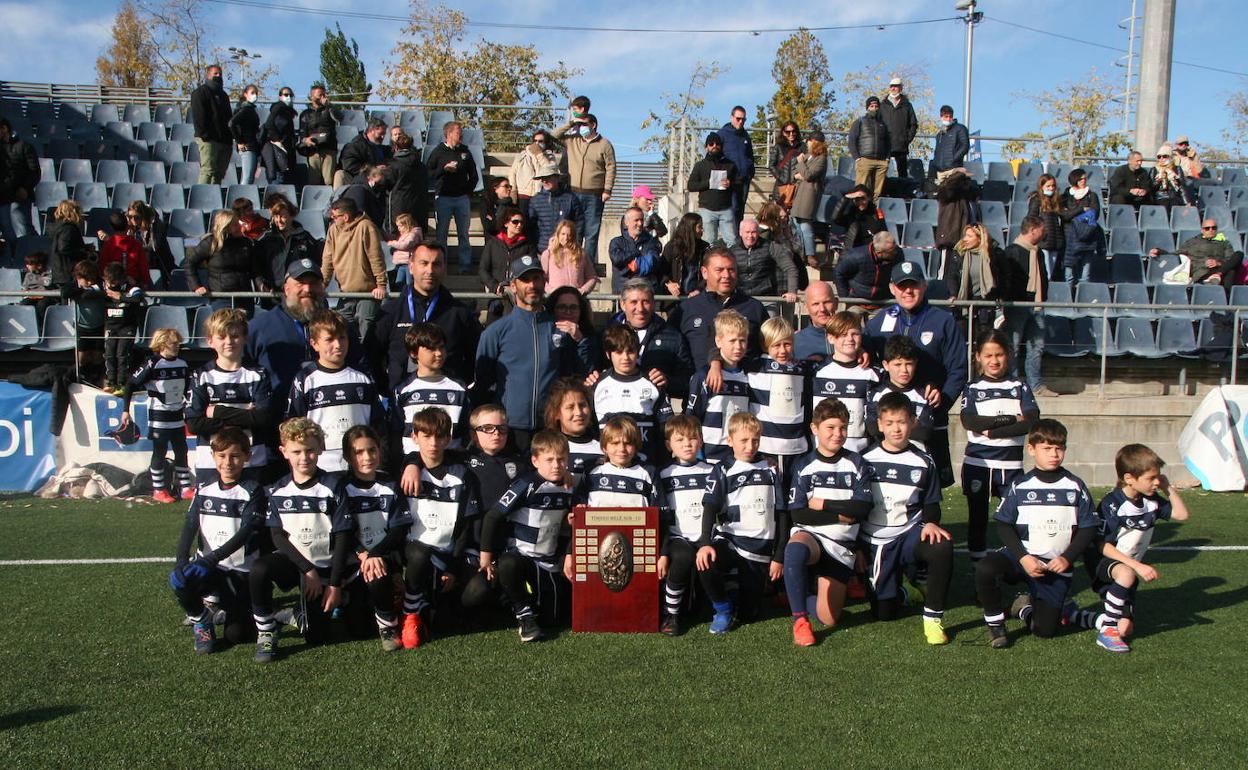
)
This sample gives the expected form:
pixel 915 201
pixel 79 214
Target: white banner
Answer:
pixel 1212 442
pixel 92 413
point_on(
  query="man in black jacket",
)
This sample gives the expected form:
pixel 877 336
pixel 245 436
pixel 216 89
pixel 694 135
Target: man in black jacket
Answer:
pixel 869 145
pixel 665 358
pixel 1131 184
pixel 364 150
pixel 453 172
pixel 1023 279
pixel 898 114
pixel 17 183
pixel 211 113
pixel 318 137
pixel 713 178
pixel 369 193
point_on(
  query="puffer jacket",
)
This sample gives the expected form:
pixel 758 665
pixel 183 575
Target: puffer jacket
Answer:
pixel 869 138
pixel 902 123
pixel 952 145
pixel 233 267
pixel 863 275
pixel 765 270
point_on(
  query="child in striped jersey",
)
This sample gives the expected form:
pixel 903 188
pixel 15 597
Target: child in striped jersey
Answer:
pixel 570 413
pixel 381 523
pixel 224 393
pixel 829 496
pixel 998 411
pixel 744 509
pixel 331 394
pixel 903 530
pixel 714 401
pixel 1127 517
pixel 164 376
pixel 226 515
pixel 843 378
pixel 901 360
pixel 622 481
pixel 623 390
pixel 778 386
pixel 1045 521
pixel 312 534
pixel 428 386
pixel 682 487
pixel 529 525
pixel 443 514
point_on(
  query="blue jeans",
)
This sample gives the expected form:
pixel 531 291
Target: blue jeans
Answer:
pixel 1080 273
pixel 807 231
pixel 591 206
pixel 1026 326
pixel 15 221
pixel 715 221
pixel 457 206
pixel 402 278
pixel 251 161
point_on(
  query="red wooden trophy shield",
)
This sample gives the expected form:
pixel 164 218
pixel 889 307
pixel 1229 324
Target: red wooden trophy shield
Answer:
pixel 615 554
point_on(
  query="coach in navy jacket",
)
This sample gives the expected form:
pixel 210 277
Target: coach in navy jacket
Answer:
pixel 695 317
pixel 663 348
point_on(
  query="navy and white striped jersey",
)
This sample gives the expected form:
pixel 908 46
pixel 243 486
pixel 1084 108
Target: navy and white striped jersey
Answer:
pixel 637 397
pixel 536 512
pixel 839 478
pixel 851 384
pixel 902 485
pixel 336 401
pixel 745 498
pixel 992 398
pixel 1046 509
pixel 375 508
pixel 417 393
pixel 683 489
pixel 240 389
pixel 923 412
pixel 165 380
pixel 714 410
pixel 584 452
pixel 309 513
pixel 1128 524
pixel 778 400
pixel 611 486
pixel 444 508
pixel 220 511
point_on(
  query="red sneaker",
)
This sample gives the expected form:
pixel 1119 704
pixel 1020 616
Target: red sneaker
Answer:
pixel 803 634
pixel 163 496
pixel 413 633
pixel 188 494
pixel 856 589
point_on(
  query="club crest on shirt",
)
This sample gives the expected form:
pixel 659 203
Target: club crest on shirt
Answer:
pixel 319 397
pixel 1070 497
pixel 212 392
pixel 323 505
pixel 288 504
pixel 915 475
pixel 1032 497
pixel 604 482
pixel 359 392
pixel 927 337
pixel 207 504
pixel 510 468
pixel 697 322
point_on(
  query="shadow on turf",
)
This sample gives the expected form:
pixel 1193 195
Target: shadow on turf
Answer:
pixel 1174 607
pixel 35 716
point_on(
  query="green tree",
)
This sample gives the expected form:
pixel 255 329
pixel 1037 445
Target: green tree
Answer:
pixel 684 106
pixel 804 92
pixel 130 61
pixel 342 72
pixel 431 63
pixel 1076 112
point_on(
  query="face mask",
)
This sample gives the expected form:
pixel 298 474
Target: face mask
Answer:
pixel 251 98
pixel 946 122
pixel 540 145
pixel 1047 193
pixel 218 81
pixel 584 131
pixel 872 113
pixel 286 99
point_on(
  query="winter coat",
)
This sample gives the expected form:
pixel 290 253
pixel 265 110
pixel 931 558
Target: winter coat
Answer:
pixel 952 145
pixel 452 184
pixel 280 126
pixel 353 253
pixel 233 267
pixel 1219 248
pixel 321 124
pixel 639 258
pixel 1054 224
pixel 783 161
pixel 716 199
pixel 765 270
pixel 860 225
pixel 518 360
pixel 684 270
pixel 245 126
pixel 548 209
pixel 591 162
pixel 496 259
pixel 902 123
pixel 371 201
pixel 1085 240
pixel 385 341
pixel 210 112
pixel 1014 273
pixel 1123 179
pixel 862 275
pixel 127 250
pixel 279 249
pixel 739 149
pixel 813 169
pixel 409 187
pixel 359 152
pixel 869 138
pixel 21 170
pixel 526 164
pixel 1169 190
pixel 68 249
pixel 958 199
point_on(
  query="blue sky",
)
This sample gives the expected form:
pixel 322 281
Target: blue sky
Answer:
pixel 624 73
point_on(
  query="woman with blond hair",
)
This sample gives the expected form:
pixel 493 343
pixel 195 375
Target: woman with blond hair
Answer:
pixel 68 248
pixel 231 261
pixel 565 262
pixel 808 174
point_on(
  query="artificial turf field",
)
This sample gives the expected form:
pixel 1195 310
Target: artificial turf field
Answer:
pixel 98 670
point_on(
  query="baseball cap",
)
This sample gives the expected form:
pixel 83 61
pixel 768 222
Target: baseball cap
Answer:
pixel 1182 139
pixel 548 170
pixel 643 191
pixel 895 82
pixel 524 265
pixel 907 271
pixel 302 267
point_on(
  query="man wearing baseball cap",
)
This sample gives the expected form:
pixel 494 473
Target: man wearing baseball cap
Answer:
pixel 869 145
pixel 521 354
pixel 942 351
pixel 898 114
pixel 552 205
pixel 1186 159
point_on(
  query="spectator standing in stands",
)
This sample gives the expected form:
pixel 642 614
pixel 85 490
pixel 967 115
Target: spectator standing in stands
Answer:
pixel 775 225
pixel 365 150
pixel 665 358
pixel 713 179
pixel 682 257
pixel 1214 258
pixel 1169 187
pixel 1186 159
pixel 245 129
pixel 695 317
pixel 898 114
pixel 232 264
pixel 286 241
pixel 1023 279
pixel 1045 204
pixel 553 205
pixel 953 142
pixel 144 224
pixel 957 198
pixel 860 217
pixel 808 175
pixel 591 173
pixel 454 175
pixel 1130 183
pixel 541 153
pixel 68 248
pixel 277 138
pixel 864 272
pixel 211 113
pixel 353 254
pixel 409 184
pixel 634 253
pixel 764 269
pixel 740 150
pixel 869 146
pixel 1084 254
pixel 425 300
pixel 783 162
pixel 368 192
pixel 17 184
pixel 318 127
pixel 812 340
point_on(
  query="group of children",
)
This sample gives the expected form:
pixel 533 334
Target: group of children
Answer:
pixel 779 472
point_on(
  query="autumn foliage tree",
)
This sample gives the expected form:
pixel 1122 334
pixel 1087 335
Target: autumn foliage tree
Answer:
pixel 1076 111
pixel 804 92
pixel 857 85
pixel 130 60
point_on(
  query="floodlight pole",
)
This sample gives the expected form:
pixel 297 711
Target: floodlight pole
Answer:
pixel 971 18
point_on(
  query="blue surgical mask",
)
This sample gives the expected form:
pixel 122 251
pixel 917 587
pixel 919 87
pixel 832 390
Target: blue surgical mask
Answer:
pixel 1048 193
pixel 585 131
pixel 946 122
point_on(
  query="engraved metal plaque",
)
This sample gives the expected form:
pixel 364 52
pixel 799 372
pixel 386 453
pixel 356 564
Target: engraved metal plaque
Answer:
pixel 615 561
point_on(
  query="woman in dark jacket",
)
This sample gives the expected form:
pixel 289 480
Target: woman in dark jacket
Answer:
pixel 1046 205
pixel 278 138
pixel 783 162
pixel 231 261
pixel 409 184
pixel 682 257
pixel 495 200
pixel 68 248
pixel 245 128
pixel 146 226
pixel 286 241
pixel 499 251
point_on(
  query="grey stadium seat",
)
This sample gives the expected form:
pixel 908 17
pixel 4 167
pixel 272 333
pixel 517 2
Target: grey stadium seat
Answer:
pixel 168 197
pixel 58 330
pixel 128 192
pixel 1134 336
pixel 19 328
pixel 149 173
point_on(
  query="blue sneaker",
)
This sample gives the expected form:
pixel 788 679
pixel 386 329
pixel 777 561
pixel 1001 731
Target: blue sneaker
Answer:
pixel 1110 640
pixel 205 637
pixel 722 622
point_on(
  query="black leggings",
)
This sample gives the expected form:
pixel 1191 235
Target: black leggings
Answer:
pixel 526 584
pixel 938 559
pixel 751 579
pixel 996 568
pixel 277 570
pixel 977 504
pixel 233 595
pixel 162 440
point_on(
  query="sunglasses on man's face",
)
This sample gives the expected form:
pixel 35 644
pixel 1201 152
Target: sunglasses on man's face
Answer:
pixel 1209 228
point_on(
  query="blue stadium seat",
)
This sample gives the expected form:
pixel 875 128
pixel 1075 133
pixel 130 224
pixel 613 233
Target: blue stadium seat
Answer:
pixel 938 290
pixel 1059 291
pixel 1172 294
pixel 1212 195
pixel 1237 196
pixel 47 169
pixel 10 280
pixel 192 152
pixel 185 173
pixel 844 164
pixel 91 195
pixel 75 170
pixel 98 219
pixel 996 191
pixel 167 197
pixel 1124 241
pixel 1233 177
pixel 345 134
pixel 152 133
pixel 248 191
pixel 1184 218
pixel 1235 238
pixel 313 220
pixel 205 197
pixel 1061 171
pixel 19 328
pixel 30 243
pixel 187 223
pixel 49 193
pixel 1214 338
pixel 993 214
pixel 1059 338
pixel 439 118
pixel 1175 337
pixel 894 210
pixel 1126 268
pixel 111 172
pixel 136 114
pixel 918 235
pixel 1000 171
pixel 149 173
pixel 1029 175
pixel 1133 294
pixel 413 124
pixel 199 338
pixel 1239 296
pixel 168 114
pixel 1154 218
pixel 1121 215
pixel 287 190
pixel 1158 239
pixel 61 149
pixel 353 118
pixel 1222 214
pixel 1158 266
pixel 119 131
pixel 1207 295
pixel 71 112
pixel 1096 178
pixel 183 134
pixel 1091 292
pixel 1134 336
pixel 58 330
pixel 128 192
pixel 177 282
pixel 473 137
pixel 164 317
pixel 316 196
pixel 168 152
pixel 103 114
pixel 923 211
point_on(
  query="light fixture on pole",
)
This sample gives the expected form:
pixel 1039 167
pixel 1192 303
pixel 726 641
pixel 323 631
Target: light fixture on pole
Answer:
pixel 971 18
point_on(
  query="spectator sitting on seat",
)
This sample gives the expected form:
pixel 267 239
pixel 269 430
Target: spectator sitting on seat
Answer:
pixel 117 246
pixel 1130 183
pixel 974 275
pixel 252 224
pixel 37 278
pixel 860 217
pixel 498 195
pixel 634 253
pixel 500 252
pixel 230 261
pixel 643 199
pixel 68 248
pixel 682 257
pixel 286 241
pixel 368 193
pixel 764 269
pixel 863 273
pixel 1169 187
pixel 1214 259
pixel 775 225
pixel 1186 158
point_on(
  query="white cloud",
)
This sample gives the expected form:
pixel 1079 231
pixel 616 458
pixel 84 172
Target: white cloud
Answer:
pixel 33 31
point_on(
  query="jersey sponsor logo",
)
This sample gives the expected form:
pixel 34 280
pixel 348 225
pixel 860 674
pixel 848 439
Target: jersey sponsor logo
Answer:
pixel 207 504
pixel 318 397
pixel 1032 497
pixel 604 482
pixel 305 536
pixel 288 504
